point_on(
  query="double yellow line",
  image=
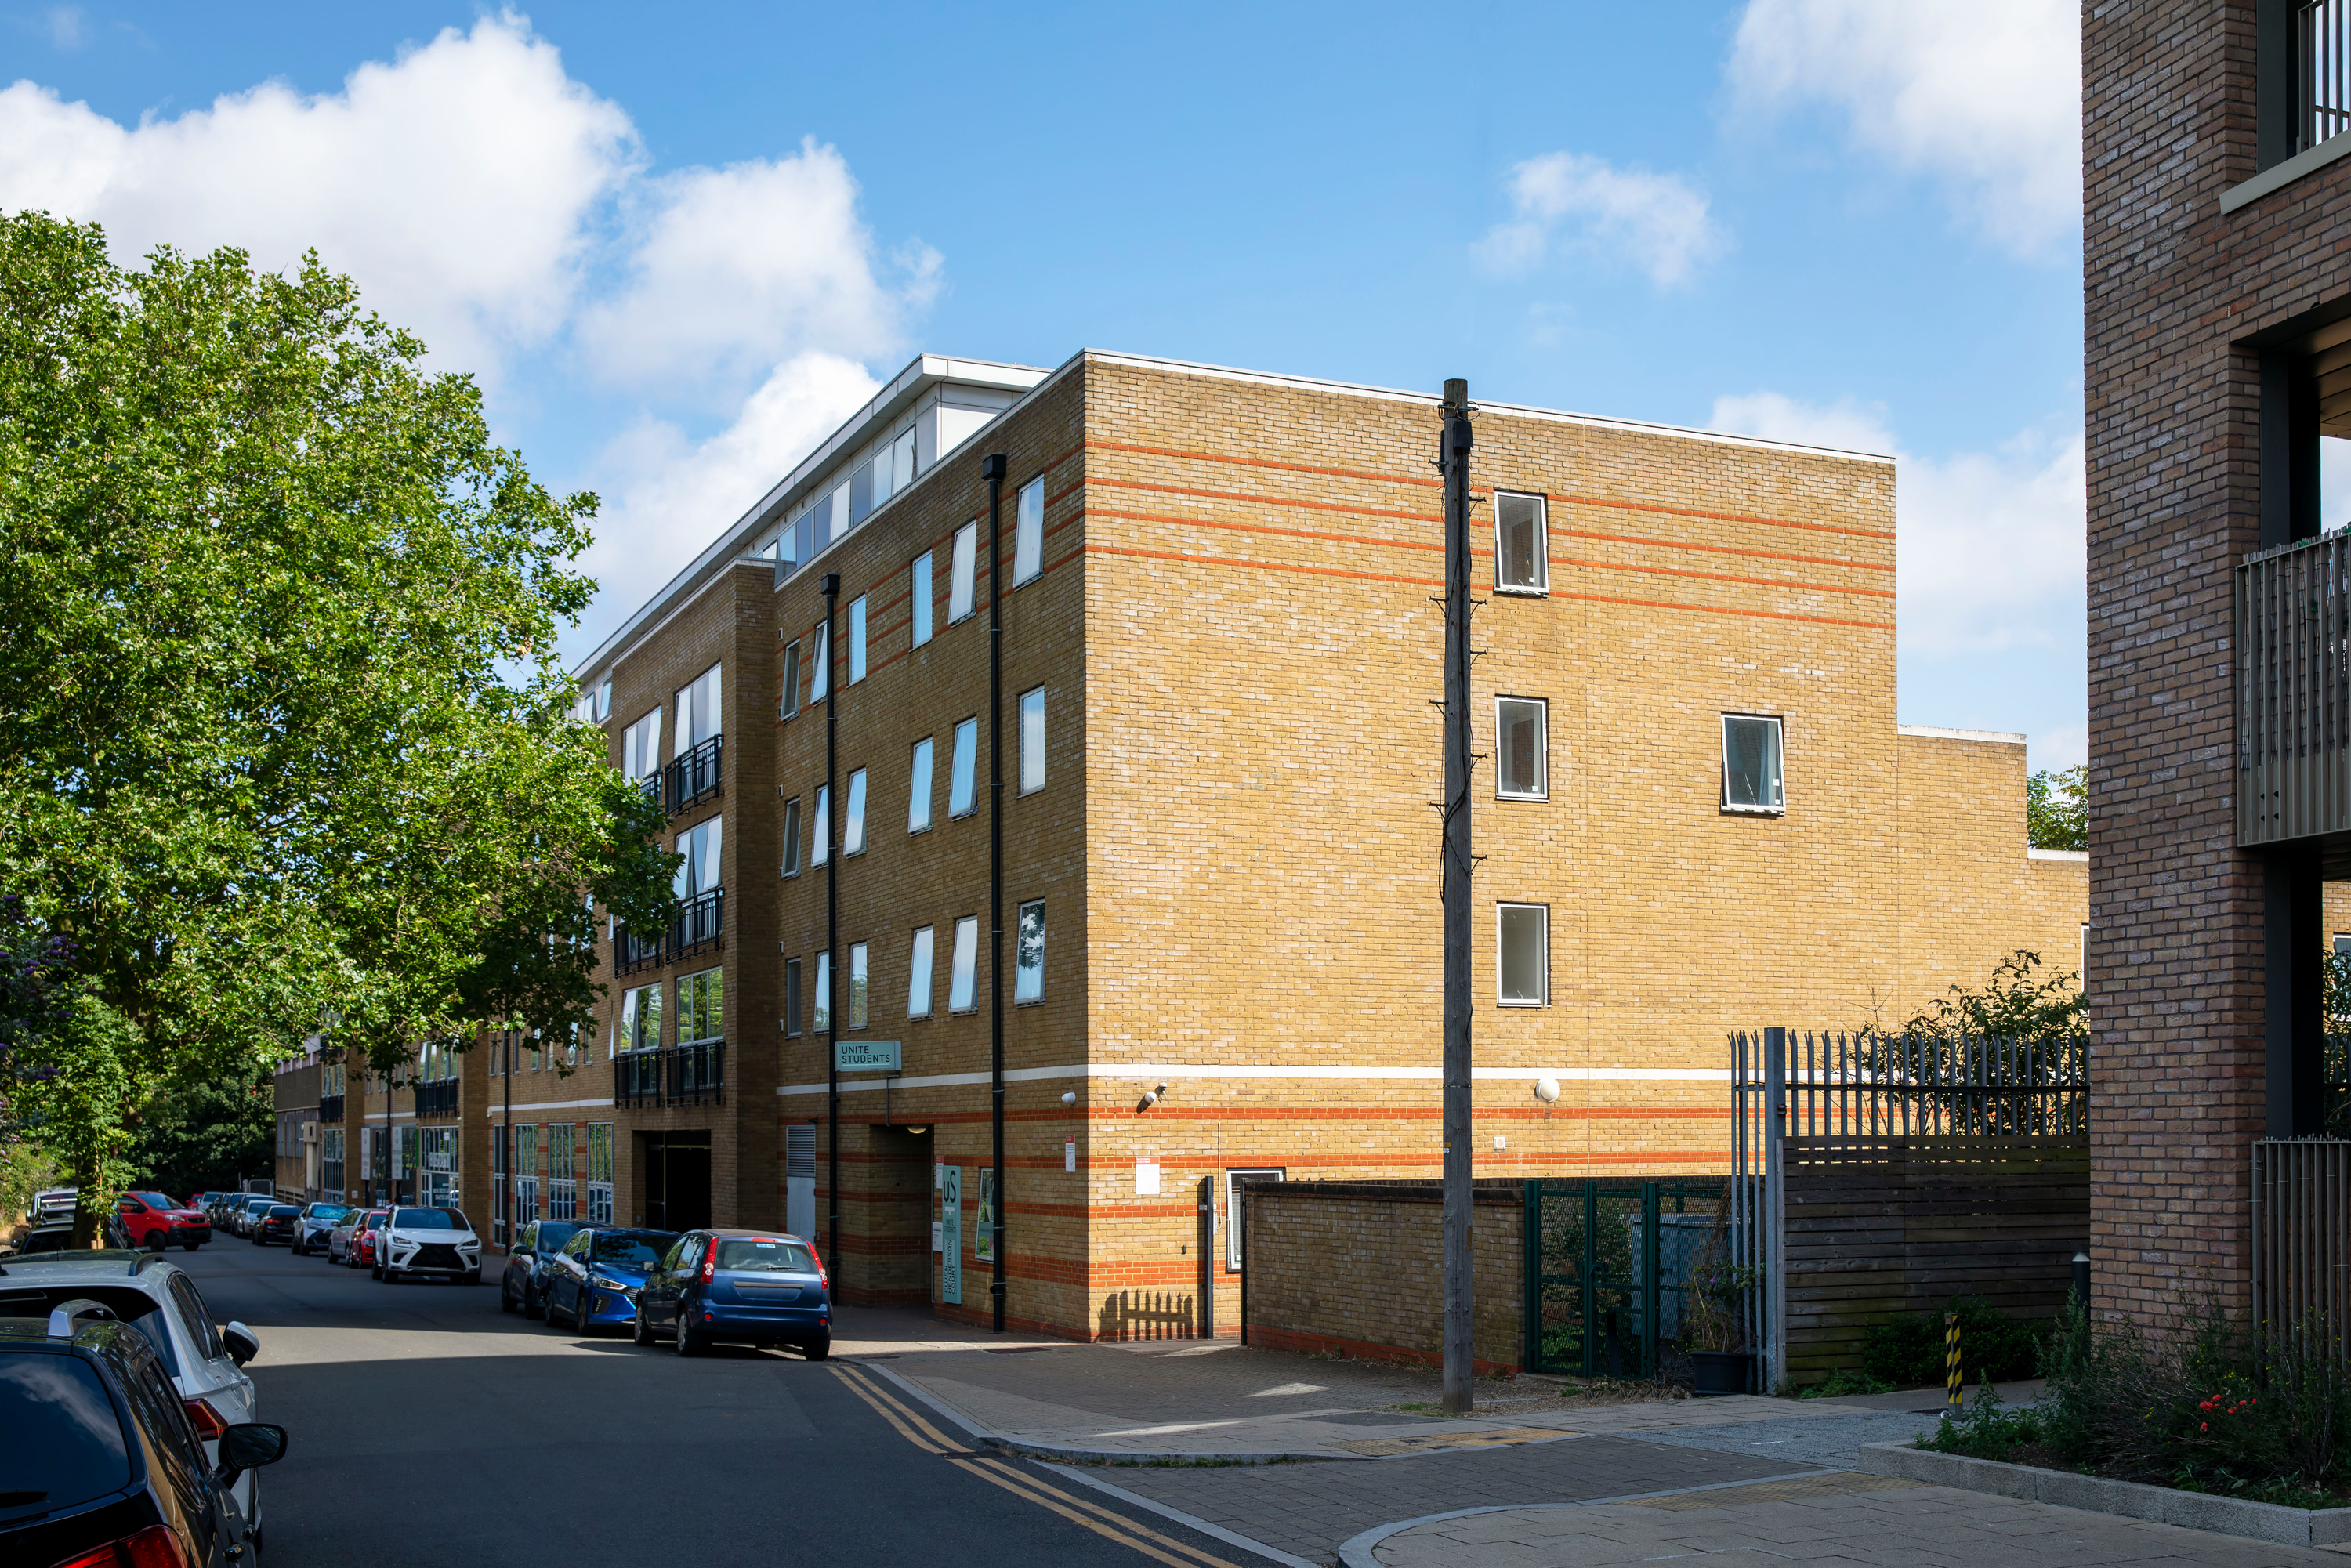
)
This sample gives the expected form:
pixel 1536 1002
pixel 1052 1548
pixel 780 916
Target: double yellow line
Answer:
pixel 1102 1522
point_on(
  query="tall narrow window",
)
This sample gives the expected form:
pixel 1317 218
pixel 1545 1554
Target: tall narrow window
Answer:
pixel 919 787
pixel 920 588
pixel 792 836
pixel 697 873
pixel 792 703
pixel 836 505
pixel 641 747
pixel 1028 532
pixel 792 998
pixel 821 1002
pixel 641 1018
pixel 603 702
pixel 1750 763
pixel 820 663
pixel 697 712
pixel 1520 746
pixel 963 978
pixel 1522 955
pixel 852 832
pixel 857 639
pixel 861 501
pixel 963 574
pixel 1519 551
pixel 857 978
pixel 967 759
pixel 702 1007
pixel 1032 741
pixel 1028 954
pixel 820 830
pixel 918 975
pixel 901 460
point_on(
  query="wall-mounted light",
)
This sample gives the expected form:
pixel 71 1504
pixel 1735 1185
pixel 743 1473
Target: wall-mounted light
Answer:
pixel 1152 1097
pixel 918 1132
pixel 1546 1090
pixel 1069 1097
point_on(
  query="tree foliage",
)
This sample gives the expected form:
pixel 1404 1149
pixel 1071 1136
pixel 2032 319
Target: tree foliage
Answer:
pixel 2057 808
pixel 206 1136
pixel 2017 1001
pixel 285 739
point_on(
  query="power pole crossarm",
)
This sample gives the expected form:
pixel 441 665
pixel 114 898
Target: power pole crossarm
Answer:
pixel 1454 444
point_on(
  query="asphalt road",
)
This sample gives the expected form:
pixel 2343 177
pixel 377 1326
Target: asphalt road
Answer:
pixel 428 1427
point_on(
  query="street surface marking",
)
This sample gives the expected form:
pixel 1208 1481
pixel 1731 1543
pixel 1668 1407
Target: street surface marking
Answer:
pixel 856 1385
pixel 947 1444
pixel 1143 1540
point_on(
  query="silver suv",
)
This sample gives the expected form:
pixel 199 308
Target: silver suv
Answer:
pixel 428 1241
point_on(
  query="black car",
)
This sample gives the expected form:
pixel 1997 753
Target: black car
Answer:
pixel 278 1222
pixel 97 1458
pixel 523 1287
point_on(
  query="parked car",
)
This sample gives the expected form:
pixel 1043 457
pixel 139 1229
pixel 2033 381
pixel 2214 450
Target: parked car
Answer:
pixel 205 1362
pixel 54 1203
pixel 256 1203
pixel 428 1241
pixel 594 1278
pixel 353 1243
pixel 151 1220
pixel 275 1223
pixel 523 1287
pixel 54 1237
pixel 310 1230
pixel 750 1287
pixel 103 1465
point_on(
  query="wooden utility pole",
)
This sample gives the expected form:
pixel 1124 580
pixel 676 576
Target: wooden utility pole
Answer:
pixel 1453 461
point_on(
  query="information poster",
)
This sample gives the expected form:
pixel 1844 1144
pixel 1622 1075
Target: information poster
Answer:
pixel 951 1234
pixel 983 1238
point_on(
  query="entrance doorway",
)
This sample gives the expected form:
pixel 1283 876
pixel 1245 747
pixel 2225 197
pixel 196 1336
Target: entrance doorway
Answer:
pixel 900 1219
pixel 678 1180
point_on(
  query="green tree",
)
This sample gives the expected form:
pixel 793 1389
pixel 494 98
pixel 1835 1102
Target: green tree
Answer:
pixel 2057 808
pixel 206 1136
pixel 288 741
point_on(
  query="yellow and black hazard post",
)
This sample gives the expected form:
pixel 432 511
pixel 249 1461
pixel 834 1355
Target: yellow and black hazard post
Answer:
pixel 1952 1378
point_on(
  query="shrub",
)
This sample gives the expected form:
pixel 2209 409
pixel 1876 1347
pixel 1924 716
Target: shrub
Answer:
pixel 1907 1352
pixel 1842 1382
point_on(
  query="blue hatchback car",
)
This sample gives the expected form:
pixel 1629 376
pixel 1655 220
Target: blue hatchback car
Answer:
pixel 746 1287
pixel 593 1281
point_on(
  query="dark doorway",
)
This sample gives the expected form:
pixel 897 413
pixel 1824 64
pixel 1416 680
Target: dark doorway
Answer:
pixel 678 1180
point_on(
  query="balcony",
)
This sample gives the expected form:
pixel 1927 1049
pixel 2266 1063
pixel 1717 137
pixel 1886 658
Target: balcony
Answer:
pixel 436 1100
pixel 631 952
pixel 2293 691
pixel 330 1107
pixel 637 1078
pixel 2322 71
pixel 693 776
pixel 691 1075
pixel 701 922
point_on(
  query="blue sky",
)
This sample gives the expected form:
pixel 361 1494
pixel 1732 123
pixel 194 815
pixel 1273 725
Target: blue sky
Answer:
pixel 677 253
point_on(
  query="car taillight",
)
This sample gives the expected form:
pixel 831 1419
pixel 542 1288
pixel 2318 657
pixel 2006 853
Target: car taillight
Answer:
pixel 206 1419
pixel 710 1263
pixel 823 1279
pixel 153 1547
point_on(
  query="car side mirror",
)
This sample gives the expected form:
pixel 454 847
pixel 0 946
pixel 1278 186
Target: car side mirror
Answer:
pixel 248 1446
pixel 243 1343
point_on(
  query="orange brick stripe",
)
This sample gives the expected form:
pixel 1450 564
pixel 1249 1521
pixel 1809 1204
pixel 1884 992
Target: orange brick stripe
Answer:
pixel 1712 549
pixel 1267 463
pixel 1723 577
pixel 1719 517
pixel 1248 498
pixel 1278 533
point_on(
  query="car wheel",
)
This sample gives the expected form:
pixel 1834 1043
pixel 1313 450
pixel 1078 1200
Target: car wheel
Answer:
pixel 534 1305
pixel 376 1271
pixel 189 1246
pixel 688 1342
pixel 642 1332
pixel 817 1349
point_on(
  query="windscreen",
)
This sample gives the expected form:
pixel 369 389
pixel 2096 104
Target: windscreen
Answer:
pixel 282 1211
pixel 639 1249
pixel 759 1255
pixel 154 1200
pixel 60 1443
pixel 553 1234
pixel 328 1212
pixel 429 1219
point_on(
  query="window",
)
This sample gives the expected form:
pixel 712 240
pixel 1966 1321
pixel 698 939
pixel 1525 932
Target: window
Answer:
pixel 920 590
pixel 1028 532
pixel 962 572
pixel 792 998
pixel 698 872
pixel 641 1018
pixel 1750 763
pixel 1028 954
pixel 792 836
pixel 861 493
pixel 918 975
pixel 1518 562
pixel 1520 736
pixel 791 701
pixel 857 639
pixel 967 758
pixel 963 978
pixel 1032 741
pixel 697 712
pixel 1522 955
pixel 919 787
pixel 852 834
pixel 820 1005
pixel 820 663
pixel 603 702
pixel 820 832
pixel 836 511
pixel 857 978
pixel 702 1007
pixel 641 747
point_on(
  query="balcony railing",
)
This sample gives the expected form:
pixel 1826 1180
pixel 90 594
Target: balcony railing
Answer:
pixel 637 1078
pixel 2322 71
pixel 330 1107
pixel 437 1099
pixel 2293 691
pixel 691 1075
pixel 695 776
pixel 701 922
pixel 631 952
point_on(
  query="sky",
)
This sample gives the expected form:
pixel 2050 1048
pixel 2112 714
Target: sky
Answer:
pixel 677 246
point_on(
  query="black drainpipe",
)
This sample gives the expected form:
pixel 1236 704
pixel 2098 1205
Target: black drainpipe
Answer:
pixel 831 586
pixel 994 469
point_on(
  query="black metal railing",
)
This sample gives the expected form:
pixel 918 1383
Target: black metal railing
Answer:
pixel 437 1099
pixel 2323 71
pixel 637 1078
pixel 695 776
pixel 697 1074
pixel 330 1107
pixel 631 952
pixel 701 921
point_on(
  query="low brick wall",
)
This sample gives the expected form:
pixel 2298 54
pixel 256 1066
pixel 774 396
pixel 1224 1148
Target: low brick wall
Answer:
pixel 1358 1267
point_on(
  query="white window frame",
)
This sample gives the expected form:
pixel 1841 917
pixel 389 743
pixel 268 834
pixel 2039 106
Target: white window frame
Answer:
pixel 690 696
pixel 963 975
pixel 919 591
pixel 1032 740
pixel 962 769
pixel 963 576
pixel 857 639
pixel 1028 532
pixel 1779 744
pixel 920 786
pixel 641 747
pixel 1028 980
pixel 860 986
pixel 820 1000
pixel 792 836
pixel 1233 1178
pixel 820 829
pixel 1501 909
pixel 852 830
pixel 791 703
pixel 1542 584
pixel 922 966
pixel 1543 750
pixel 820 663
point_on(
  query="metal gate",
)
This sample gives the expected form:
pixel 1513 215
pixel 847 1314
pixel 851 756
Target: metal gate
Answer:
pixel 1608 1265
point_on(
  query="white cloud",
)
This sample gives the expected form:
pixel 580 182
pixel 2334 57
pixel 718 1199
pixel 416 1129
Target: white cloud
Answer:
pixel 1990 544
pixel 1983 95
pixel 66 26
pixel 2058 749
pixel 1573 202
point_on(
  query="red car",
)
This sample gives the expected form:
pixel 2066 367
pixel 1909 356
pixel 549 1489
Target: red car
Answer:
pixel 153 1221
pixel 357 1235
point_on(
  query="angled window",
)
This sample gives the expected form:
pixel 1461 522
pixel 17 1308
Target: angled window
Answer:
pixel 1751 778
pixel 641 1018
pixel 821 830
pixel 641 747
pixel 702 1007
pixel 852 832
pixel 837 511
pixel 919 588
pixel 697 712
pixel 792 836
pixel 1518 559
pixel 857 639
pixel 963 575
pixel 919 787
pixel 960 787
pixel 820 1000
pixel 1521 727
pixel 857 979
pixel 963 978
pixel 603 702
pixel 918 975
pixel 820 663
pixel 697 873
pixel 1028 532
pixel 1522 955
pixel 791 697
pixel 1032 740
pixel 1028 954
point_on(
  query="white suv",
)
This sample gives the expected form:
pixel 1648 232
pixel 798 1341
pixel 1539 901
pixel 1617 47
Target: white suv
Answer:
pixel 438 1241
pixel 206 1363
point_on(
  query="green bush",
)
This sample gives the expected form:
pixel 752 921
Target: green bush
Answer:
pixel 1842 1384
pixel 1907 1352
